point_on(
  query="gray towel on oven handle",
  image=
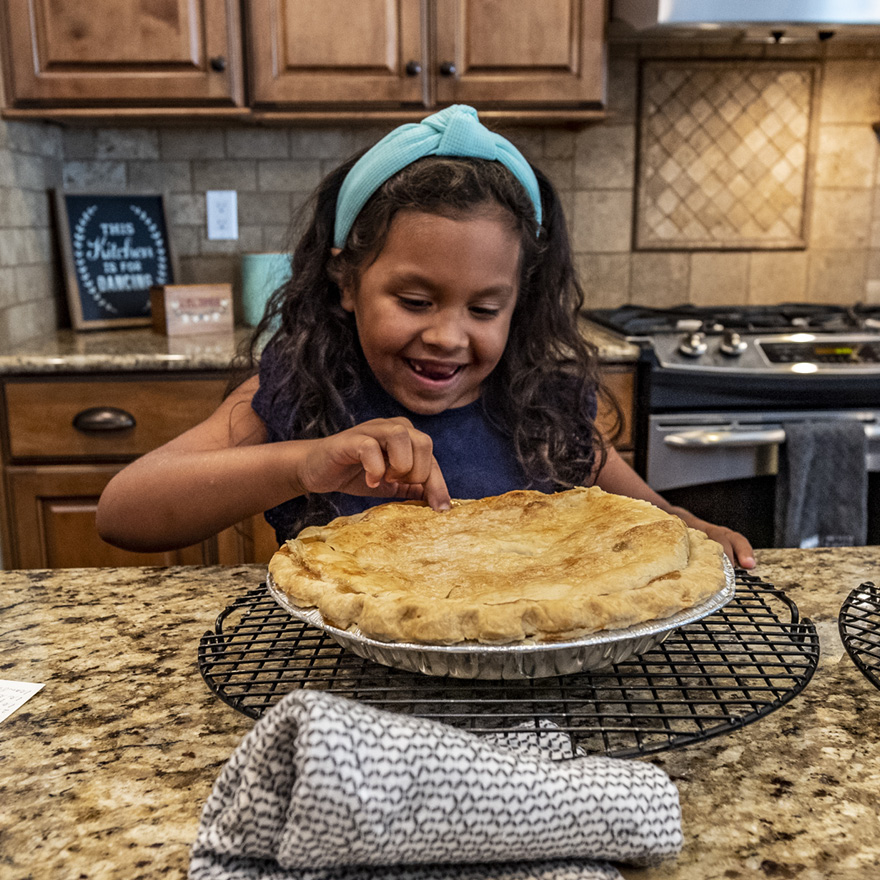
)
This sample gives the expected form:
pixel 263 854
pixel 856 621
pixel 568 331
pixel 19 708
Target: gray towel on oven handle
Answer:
pixel 324 788
pixel 822 486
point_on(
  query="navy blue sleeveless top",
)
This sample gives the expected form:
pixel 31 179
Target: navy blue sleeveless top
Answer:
pixel 476 458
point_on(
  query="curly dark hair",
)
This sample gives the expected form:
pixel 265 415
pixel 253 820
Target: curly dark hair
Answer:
pixel 538 392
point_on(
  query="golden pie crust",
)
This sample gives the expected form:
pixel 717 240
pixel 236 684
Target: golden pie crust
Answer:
pixel 520 566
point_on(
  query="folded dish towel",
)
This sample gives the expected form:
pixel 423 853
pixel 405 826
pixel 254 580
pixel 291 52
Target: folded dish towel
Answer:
pixel 822 486
pixel 324 788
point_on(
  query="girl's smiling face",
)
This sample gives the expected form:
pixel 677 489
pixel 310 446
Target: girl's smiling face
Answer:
pixel 433 309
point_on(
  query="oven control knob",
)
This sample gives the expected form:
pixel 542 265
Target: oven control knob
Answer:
pixel 732 343
pixel 693 344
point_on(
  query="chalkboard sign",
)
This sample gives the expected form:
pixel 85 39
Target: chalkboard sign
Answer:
pixel 115 248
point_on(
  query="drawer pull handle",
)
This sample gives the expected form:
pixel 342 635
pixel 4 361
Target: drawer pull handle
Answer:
pixel 98 419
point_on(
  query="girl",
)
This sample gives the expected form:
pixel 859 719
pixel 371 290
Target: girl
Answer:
pixel 426 346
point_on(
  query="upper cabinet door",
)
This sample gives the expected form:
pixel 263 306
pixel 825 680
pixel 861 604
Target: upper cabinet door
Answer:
pixel 133 53
pixel 520 52
pixel 336 52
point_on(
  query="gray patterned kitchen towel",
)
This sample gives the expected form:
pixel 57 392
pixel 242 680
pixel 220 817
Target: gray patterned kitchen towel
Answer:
pixel 822 486
pixel 324 788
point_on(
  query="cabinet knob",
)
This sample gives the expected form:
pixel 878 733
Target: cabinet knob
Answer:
pixel 97 419
pixel 447 68
pixel 218 63
pixel 413 68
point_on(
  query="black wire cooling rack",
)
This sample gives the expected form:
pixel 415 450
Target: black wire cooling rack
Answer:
pixel 859 625
pixel 710 677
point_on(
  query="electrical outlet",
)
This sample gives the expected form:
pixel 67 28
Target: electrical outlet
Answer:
pixel 222 207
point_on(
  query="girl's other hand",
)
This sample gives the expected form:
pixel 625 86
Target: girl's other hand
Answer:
pixel 388 458
pixel 736 546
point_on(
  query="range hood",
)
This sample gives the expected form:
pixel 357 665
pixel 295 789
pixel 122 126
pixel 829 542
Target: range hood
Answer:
pixel 764 19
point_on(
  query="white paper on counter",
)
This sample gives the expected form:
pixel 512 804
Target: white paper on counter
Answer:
pixel 14 694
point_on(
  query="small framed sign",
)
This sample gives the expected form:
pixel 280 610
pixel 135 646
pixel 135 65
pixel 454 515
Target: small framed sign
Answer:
pixel 115 248
pixel 192 309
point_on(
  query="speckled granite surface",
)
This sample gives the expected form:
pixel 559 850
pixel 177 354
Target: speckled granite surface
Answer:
pixel 103 772
pixel 796 794
pixel 139 349
pixel 125 350
pixel 611 346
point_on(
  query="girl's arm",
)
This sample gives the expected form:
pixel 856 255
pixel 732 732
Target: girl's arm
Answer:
pixel 223 471
pixel 618 477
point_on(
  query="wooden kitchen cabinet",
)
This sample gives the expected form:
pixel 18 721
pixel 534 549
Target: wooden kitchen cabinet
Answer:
pixel 329 61
pixel 336 52
pixel 520 53
pixel 57 458
pixel 53 509
pixel 107 53
pixel 370 53
pixel 620 380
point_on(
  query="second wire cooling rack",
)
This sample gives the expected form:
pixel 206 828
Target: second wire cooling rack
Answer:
pixel 859 625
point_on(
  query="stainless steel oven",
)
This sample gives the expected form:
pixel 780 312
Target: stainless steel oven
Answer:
pixel 723 465
pixel 717 388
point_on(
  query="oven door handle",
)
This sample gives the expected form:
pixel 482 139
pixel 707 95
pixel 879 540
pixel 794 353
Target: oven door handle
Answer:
pixel 717 439
pixel 707 438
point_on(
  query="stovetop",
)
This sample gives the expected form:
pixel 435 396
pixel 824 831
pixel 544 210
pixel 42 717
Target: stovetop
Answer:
pixel 644 321
pixel 788 339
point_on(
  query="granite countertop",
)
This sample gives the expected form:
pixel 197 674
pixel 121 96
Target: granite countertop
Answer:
pixel 140 349
pixel 125 350
pixel 104 771
pixel 612 347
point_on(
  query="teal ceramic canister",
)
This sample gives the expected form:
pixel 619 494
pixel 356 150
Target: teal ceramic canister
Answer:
pixel 261 276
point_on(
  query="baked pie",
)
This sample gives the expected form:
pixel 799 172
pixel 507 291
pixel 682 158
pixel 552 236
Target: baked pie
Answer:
pixel 520 566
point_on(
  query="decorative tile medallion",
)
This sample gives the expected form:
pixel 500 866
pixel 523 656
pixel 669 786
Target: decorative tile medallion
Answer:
pixel 723 155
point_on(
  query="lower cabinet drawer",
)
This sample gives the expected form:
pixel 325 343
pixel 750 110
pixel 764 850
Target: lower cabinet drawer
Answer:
pixel 67 437
pixel 113 418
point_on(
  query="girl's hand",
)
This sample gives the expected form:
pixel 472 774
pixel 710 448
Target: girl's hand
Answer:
pixel 736 546
pixel 383 457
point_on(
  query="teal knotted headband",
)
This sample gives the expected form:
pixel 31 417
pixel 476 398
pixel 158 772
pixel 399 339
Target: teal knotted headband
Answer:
pixel 454 131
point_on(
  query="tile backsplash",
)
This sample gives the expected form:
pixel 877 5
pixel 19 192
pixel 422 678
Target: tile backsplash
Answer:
pixel 838 259
pixel 722 155
pixel 30 286
pixel 602 172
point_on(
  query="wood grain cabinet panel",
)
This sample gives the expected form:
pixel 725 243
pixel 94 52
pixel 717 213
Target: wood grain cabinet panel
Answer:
pixel 303 53
pixel 518 52
pixel 619 380
pixel 94 53
pixel 54 509
pixel 54 472
pixel 499 54
pixel 333 60
pixel 249 541
pixel 52 419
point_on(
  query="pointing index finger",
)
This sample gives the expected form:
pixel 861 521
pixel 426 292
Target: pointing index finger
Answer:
pixel 435 491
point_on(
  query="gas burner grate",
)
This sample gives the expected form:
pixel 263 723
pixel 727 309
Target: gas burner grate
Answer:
pixel 859 625
pixel 785 317
pixel 708 678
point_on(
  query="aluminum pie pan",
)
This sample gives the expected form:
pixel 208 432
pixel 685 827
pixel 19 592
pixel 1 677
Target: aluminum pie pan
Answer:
pixel 518 661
